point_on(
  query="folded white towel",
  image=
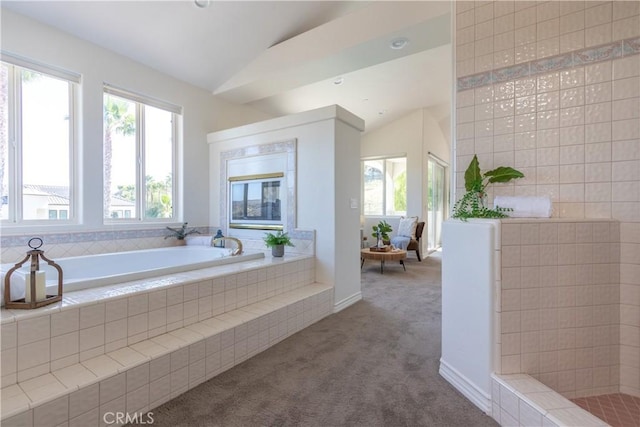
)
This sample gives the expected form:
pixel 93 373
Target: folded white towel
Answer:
pixel 525 207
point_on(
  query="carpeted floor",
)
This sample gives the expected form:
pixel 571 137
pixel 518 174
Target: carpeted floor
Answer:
pixel 372 364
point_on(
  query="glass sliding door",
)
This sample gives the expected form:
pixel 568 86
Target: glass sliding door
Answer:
pixel 436 208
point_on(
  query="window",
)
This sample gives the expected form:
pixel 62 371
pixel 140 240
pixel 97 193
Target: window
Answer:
pixel 436 201
pixel 58 214
pixel 256 201
pixel 36 141
pixel 139 157
pixel 385 186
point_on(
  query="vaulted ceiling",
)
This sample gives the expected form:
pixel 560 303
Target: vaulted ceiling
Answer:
pixel 279 57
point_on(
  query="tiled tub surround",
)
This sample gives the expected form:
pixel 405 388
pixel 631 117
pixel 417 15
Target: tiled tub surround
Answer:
pixel 94 271
pixel 135 346
pixel 69 244
pixel 59 245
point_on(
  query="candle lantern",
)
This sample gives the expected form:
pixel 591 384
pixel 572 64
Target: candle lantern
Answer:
pixel 218 241
pixel 35 285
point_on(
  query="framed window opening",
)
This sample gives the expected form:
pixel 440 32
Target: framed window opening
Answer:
pixel 384 186
pixel 37 143
pixel 256 201
pixel 271 157
pixel 140 150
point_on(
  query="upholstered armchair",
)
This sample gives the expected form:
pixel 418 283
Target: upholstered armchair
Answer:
pixel 414 244
pixel 408 235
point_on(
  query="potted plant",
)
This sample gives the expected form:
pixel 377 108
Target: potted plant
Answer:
pixel 277 242
pixel 182 232
pixel 472 203
pixel 381 232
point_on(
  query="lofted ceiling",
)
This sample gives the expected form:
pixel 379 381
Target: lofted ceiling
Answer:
pixel 278 57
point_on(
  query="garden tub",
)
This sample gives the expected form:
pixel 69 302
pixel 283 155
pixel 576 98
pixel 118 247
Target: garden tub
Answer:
pixel 92 271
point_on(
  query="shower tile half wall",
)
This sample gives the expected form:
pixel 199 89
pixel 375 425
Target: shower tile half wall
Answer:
pixel 553 89
pixel 559 318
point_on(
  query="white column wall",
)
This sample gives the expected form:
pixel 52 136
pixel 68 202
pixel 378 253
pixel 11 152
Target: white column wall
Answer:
pixel 328 177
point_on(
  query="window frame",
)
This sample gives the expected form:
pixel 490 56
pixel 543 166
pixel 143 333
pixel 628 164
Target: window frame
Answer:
pixel 385 208
pixel 14 168
pixel 253 222
pixel 140 101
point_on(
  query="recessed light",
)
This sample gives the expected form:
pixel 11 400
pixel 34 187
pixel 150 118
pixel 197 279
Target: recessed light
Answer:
pixel 202 3
pixel 398 43
pixel 338 81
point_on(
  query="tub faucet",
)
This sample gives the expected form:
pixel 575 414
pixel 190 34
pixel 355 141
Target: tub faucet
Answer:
pixel 236 251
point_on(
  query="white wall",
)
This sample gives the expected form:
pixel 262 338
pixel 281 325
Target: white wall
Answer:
pixel 202 112
pixel 346 241
pixel 467 310
pixel 414 135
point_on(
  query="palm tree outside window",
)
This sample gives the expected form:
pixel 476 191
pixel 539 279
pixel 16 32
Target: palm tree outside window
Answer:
pixel 139 157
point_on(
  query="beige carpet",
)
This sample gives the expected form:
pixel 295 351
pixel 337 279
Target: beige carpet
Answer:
pixel 373 364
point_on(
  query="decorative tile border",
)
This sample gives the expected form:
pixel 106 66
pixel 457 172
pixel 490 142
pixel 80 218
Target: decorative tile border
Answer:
pixel 553 63
pixel 631 46
pixel 565 61
pixel 601 53
pixel 511 73
pixel 89 236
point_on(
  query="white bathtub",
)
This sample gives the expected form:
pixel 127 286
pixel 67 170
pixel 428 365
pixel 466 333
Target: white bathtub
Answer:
pixel 105 269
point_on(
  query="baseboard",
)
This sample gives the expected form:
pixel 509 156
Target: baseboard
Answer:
pixel 347 302
pixel 466 387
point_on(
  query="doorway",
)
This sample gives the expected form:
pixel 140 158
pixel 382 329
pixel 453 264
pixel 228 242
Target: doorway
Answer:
pixel 436 206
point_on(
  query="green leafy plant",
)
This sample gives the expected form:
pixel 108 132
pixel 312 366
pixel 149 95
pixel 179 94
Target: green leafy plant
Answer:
pixel 471 205
pixel 277 239
pixel 182 232
pixel 382 228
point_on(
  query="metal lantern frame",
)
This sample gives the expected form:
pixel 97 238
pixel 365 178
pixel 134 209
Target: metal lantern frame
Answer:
pixel 34 254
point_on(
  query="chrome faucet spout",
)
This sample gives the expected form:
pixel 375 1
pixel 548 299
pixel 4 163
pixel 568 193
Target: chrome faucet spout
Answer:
pixel 236 251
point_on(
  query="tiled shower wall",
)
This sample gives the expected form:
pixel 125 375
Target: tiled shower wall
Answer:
pixel 559 313
pixel 630 308
pixel 553 89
